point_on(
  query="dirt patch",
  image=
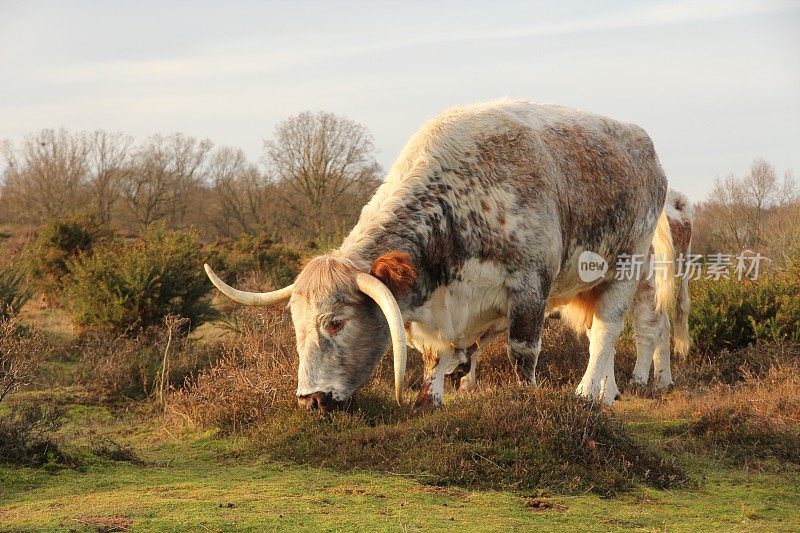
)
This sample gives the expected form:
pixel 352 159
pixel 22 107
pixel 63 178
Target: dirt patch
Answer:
pixel 105 524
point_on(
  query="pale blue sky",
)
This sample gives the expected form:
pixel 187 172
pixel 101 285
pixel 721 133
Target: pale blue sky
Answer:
pixel 715 83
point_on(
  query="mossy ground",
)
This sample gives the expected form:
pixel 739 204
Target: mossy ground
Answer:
pixel 199 481
pixel 133 469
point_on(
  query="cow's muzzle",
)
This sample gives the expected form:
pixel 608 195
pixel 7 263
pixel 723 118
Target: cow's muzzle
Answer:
pixel 322 402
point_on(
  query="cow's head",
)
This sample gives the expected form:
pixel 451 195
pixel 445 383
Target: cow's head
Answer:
pixel 343 320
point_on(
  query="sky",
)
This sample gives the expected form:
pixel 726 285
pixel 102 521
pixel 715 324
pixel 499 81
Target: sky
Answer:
pixel 715 83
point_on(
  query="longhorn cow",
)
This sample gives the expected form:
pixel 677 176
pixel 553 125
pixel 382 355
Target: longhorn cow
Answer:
pixel 481 220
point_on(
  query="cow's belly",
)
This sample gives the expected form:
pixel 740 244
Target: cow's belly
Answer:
pixel 458 314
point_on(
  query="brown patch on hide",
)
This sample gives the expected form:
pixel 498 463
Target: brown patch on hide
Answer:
pixel 424 398
pixel 501 217
pixel 606 181
pixel 681 230
pixel 395 270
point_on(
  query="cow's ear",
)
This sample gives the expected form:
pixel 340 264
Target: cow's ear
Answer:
pixel 395 270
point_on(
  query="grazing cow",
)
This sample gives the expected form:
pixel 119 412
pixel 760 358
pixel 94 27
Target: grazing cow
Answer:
pixel 651 326
pixel 481 221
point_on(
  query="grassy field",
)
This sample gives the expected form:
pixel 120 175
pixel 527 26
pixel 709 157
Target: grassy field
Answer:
pixel 198 481
pixel 129 467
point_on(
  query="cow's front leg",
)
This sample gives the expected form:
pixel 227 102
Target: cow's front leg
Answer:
pixel 526 311
pixel 435 364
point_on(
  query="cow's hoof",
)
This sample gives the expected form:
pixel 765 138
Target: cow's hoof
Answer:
pixel 590 393
pixel 665 387
pixel 467 384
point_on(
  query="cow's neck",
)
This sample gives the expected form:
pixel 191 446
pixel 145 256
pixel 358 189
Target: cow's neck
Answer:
pixel 423 236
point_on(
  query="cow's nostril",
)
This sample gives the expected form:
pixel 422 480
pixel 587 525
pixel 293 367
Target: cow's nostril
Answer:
pixel 318 401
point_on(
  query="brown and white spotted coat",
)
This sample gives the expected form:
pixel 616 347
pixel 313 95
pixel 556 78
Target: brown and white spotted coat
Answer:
pixel 489 206
pixel 651 325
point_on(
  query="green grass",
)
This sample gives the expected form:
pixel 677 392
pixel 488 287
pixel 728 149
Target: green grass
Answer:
pixel 197 481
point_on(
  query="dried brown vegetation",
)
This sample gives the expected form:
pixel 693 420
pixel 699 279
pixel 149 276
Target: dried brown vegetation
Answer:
pixel 125 367
pixel 22 352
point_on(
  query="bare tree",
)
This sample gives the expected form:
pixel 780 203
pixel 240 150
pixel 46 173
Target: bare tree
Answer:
pixel 110 163
pixel 240 193
pixel 758 211
pixel 46 177
pixel 327 165
pixel 165 172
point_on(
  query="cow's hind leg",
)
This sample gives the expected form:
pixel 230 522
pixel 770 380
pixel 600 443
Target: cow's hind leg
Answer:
pixel 662 374
pixel 599 382
pixel 646 331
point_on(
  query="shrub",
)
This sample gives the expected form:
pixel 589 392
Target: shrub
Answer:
pixel 26 436
pixel 510 438
pixel 279 263
pixel 731 314
pixel 13 292
pixel 58 243
pixel 256 371
pixel 130 367
pixel 22 353
pixel 742 434
pixel 126 286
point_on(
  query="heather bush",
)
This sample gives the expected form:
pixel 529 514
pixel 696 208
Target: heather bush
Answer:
pixel 58 243
pixel 27 436
pixel 23 350
pixel 757 418
pixel 13 291
pixel 279 263
pixel 256 372
pixel 731 313
pixel 127 286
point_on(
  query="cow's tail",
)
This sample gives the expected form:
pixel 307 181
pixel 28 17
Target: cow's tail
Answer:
pixel 681 337
pixel 664 271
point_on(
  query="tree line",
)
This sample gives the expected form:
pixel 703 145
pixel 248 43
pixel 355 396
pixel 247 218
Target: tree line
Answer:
pixel 318 170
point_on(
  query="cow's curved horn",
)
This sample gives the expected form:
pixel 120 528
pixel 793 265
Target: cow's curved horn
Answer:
pixel 249 298
pixel 375 289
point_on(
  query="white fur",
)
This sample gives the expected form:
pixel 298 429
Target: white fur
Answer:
pixel 458 314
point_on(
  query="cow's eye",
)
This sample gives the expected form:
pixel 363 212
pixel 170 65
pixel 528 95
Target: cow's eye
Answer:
pixel 334 326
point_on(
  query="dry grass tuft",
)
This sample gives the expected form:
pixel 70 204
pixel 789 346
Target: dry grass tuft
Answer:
pixel 758 418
